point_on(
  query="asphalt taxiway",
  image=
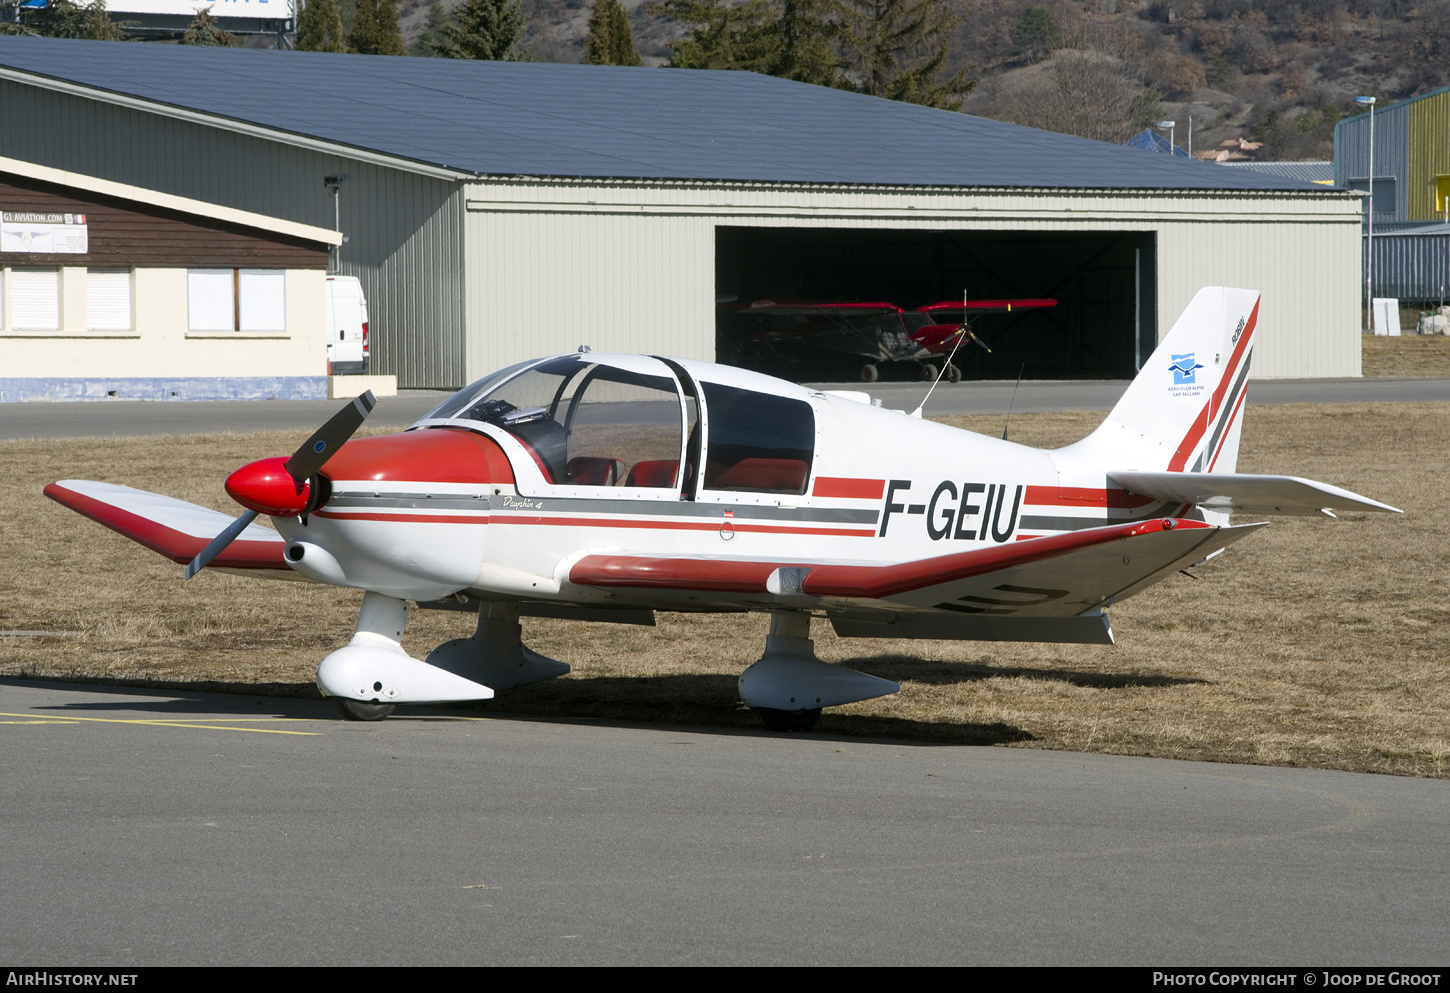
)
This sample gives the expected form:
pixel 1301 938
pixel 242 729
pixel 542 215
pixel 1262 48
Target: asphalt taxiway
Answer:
pixel 153 827
pixel 122 418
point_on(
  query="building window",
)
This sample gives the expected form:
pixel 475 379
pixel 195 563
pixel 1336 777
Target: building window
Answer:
pixel 108 299
pixel 35 299
pixel 236 300
pixel 210 302
pixel 263 300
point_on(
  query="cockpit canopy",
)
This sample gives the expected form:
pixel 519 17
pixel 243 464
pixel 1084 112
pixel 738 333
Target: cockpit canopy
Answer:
pixel 634 421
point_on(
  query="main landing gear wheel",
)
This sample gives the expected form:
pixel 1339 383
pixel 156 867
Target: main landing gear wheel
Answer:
pixel 788 720
pixel 869 373
pixel 356 710
pixel 928 372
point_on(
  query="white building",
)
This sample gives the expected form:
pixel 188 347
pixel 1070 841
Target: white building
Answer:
pixel 109 290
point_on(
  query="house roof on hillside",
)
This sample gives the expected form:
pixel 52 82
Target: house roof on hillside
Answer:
pixel 1311 172
pixel 537 119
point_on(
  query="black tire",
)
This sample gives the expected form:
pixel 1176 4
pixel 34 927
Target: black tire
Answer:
pixel 356 710
pixel 788 720
pixel 928 372
pixel 954 375
pixel 869 373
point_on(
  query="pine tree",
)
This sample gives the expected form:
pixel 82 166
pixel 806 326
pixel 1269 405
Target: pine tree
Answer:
pixel 204 30
pixel 377 29
pixel 723 37
pixel 483 29
pixel 898 48
pixel 430 38
pixel 805 35
pixel 610 41
pixel 1037 34
pixel 319 29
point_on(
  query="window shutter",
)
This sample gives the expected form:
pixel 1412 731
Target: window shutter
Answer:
pixel 108 300
pixel 35 299
pixel 264 300
pixel 209 305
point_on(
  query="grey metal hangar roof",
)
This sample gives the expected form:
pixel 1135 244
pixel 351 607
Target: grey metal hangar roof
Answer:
pixel 539 119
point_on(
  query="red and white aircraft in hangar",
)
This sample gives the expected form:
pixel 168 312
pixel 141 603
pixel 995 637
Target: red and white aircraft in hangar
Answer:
pixel 604 487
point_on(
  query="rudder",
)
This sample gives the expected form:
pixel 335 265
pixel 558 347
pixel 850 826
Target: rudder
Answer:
pixel 1183 412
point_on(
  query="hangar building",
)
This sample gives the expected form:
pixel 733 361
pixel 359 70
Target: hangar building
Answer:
pixel 498 211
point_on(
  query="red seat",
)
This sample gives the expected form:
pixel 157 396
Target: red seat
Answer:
pixel 764 475
pixel 589 470
pixel 653 472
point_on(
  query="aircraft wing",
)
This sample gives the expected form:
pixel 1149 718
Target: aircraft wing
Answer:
pixel 948 306
pixel 175 528
pixel 1247 493
pixel 998 593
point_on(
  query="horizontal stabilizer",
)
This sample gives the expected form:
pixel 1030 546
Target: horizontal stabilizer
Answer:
pixel 174 528
pixel 1247 494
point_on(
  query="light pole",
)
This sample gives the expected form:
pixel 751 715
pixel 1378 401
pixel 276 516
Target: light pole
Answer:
pixel 1170 125
pixel 332 183
pixel 1369 234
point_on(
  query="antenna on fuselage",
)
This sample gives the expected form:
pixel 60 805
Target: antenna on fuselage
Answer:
pixel 962 335
pixel 1012 402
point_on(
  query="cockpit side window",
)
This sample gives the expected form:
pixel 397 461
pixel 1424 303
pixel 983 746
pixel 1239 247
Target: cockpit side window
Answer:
pixel 587 423
pixel 624 430
pixel 758 442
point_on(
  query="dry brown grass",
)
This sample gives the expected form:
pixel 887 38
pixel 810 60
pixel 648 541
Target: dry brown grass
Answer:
pixel 1315 642
pixel 1410 355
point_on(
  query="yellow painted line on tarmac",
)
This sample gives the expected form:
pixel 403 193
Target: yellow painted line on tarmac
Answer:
pixel 67 719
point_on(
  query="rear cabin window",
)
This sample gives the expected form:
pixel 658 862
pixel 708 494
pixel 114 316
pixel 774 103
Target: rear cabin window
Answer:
pixel 759 442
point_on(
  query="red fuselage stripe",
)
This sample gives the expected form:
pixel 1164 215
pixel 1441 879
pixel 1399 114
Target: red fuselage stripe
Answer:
pixel 1083 496
pixel 845 488
pixel 892 580
pixel 715 575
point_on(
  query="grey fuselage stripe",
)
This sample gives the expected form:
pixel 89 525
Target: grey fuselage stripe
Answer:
pixel 605 507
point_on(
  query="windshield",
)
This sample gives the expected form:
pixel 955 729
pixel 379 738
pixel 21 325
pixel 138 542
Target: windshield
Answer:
pixel 458 401
pixel 585 423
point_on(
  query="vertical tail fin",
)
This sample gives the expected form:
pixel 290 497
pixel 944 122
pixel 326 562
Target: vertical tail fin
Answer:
pixel 1183 412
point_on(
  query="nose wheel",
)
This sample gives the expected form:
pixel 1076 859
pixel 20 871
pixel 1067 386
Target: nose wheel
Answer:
pixel 356 710
pixel 788 720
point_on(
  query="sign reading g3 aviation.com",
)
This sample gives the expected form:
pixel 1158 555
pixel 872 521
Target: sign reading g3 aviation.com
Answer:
pixel 44 234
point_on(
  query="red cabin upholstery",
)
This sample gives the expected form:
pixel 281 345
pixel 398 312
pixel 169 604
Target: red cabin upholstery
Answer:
pixel 653 472
pixel 589 470
pixel 764 475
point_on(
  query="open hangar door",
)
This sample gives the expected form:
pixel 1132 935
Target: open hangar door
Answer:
pixel 1103 326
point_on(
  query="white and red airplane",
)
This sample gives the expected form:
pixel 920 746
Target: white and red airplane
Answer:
pixel 605 487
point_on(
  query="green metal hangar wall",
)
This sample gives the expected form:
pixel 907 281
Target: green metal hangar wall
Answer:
pixel 500 211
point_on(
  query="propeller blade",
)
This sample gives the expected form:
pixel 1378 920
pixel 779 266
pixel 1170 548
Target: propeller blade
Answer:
pixel 219 543
pixel 313 454
pixel 315 451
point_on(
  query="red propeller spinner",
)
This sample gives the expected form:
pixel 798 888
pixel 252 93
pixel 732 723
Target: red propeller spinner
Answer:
pixel 268 488
pixel 281 487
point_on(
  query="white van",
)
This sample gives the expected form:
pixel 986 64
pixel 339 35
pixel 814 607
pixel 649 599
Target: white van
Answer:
pixel 347 327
